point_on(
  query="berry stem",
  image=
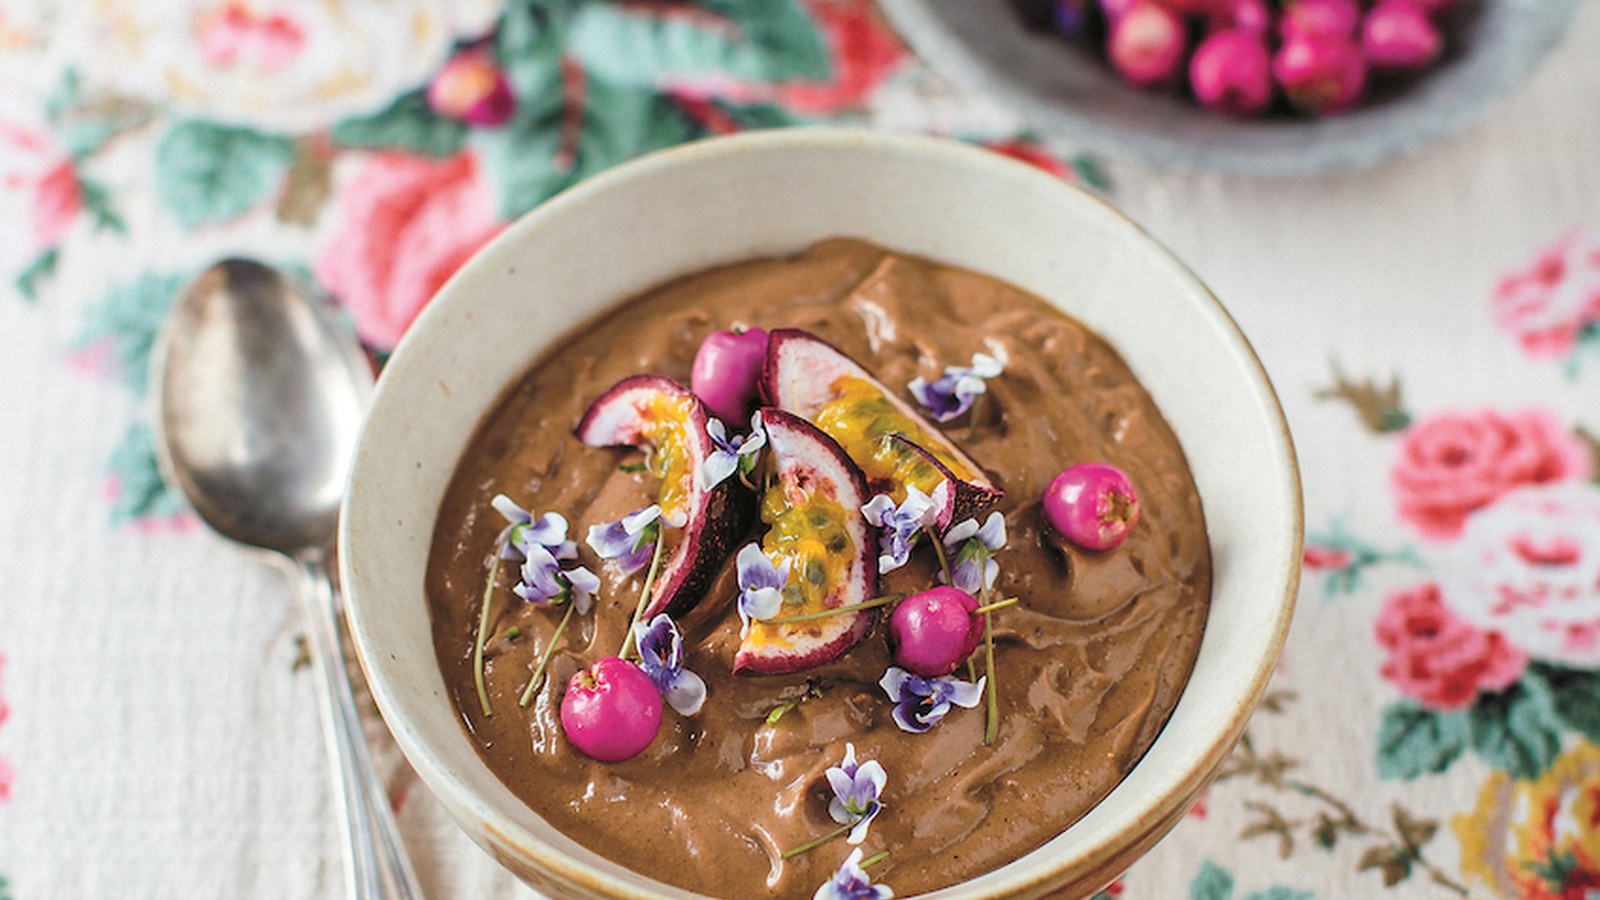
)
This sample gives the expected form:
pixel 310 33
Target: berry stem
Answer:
pixel 817 841
pixel 998 604
pixel 483 626
pixel 544 660
pixel 644 592
pixel 875 602
pixel 992 700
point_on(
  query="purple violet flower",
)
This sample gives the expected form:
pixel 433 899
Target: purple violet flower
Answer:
pixel 852 882
pixel 738 453
pixel 952 395
pixel 631 540
pixel 522 531
pixel 855 793
pixel 901 525
pixel 544 581
pixel 760 586
pixel 919 703
pixel 661 658
pixel 971 548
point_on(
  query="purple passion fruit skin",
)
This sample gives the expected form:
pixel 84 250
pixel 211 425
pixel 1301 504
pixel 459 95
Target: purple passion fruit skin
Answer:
pixel 893 443
pixel 663 416
pixel 812 510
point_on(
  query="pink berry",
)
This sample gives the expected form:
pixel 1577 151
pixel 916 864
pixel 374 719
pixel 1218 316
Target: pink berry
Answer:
pixel 725 372
pixel 1397 34
pixel 472 88
pixel 1320 75
pixel 1250 16
pixel 1116 9
pixel 1231 72
pixel 934 631
pixel 1092 505
pixel 1194 7
pixel 1146 44
pixel 1320 18
pixel 611 710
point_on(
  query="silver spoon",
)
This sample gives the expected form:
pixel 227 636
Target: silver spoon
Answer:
pixel 259 396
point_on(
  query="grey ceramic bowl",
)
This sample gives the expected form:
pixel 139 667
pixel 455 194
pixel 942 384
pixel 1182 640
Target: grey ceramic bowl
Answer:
pixel 759 194
pixel 1064 89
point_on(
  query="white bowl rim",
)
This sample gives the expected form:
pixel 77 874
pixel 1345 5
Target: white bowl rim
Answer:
pixel 1144 817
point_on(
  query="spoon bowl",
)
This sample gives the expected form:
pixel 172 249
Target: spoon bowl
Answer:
pixel 259 398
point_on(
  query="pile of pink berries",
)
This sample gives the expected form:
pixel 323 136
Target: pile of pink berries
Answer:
pixel 1240 56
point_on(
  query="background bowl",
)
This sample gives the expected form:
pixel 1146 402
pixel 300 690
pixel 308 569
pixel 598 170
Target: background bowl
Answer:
pixel 773 193
pixel 1065 89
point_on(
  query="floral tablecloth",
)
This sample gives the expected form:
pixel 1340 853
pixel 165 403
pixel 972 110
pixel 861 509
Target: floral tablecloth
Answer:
pixel 1432 325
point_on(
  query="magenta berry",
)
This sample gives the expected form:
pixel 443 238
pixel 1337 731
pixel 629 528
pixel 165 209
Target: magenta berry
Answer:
pixel 1332 19
pixel 611 711
pixel 1146 44
pixel 1397 34
pixel 1092 505
pixel 1250 16
pixel 931 633
pixel 725 372
pixel 1320 75
pixel 472 88
pixel 1231 72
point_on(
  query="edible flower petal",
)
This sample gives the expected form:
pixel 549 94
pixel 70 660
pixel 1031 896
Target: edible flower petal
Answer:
pixel 851 882
pixel 630 540
pixel 855 793
pixel 919 703
pixel 760 586
pixel 900 524
pixel 952 395
pixel 970 547
pixel 522 531
pixel 544 581
pixel 661 658
pixel 735 453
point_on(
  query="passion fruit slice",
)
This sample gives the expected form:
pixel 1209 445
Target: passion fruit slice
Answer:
pixel 813 513
pixel 892 442
pixel 669 422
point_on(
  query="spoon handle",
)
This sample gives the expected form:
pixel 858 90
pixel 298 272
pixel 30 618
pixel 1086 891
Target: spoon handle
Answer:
pixel 376 864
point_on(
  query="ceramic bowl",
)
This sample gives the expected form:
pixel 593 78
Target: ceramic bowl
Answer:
pixel 730 199
pixel 1063 88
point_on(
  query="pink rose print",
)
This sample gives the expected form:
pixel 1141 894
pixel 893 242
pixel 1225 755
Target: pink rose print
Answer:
pixel 1529 568
pixel 408 225
pixel 1548 305
pixel 238 35
pixel 1436 658
pixel 7 774
pixel 1455 463
pixel 864 52
pixel 32 166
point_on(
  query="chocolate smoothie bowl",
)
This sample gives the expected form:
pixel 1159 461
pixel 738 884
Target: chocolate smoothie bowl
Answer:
pixel 874 633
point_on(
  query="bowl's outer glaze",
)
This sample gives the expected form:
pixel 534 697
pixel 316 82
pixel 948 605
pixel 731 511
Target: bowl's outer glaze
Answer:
pixel 729 199
pixel 1065 90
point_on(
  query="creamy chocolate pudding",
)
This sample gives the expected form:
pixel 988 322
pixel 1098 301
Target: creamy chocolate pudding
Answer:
pixel 1089 662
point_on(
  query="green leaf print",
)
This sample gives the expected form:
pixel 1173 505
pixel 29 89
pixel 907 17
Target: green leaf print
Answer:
pixel 1213 882
pixel 141 491
pixel 1575 696
pixel 408 124
pixel 1413 740
pixel 750 40
pixel 206 172
pixel 1516 730
pixel 567 135
pixel 1278 892
pixel 130 316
